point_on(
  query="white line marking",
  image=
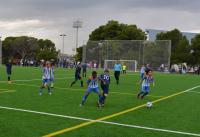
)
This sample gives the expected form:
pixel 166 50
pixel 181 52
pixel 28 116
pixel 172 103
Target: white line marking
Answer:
pixel 105 122
pixel 8 91
pixel 194 92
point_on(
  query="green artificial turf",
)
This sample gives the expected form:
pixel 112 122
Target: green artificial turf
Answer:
pixel 178 113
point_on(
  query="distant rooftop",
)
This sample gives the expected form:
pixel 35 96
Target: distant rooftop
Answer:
pixel 153 32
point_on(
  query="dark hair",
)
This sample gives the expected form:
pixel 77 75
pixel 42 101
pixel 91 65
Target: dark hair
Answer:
pixel 147 70
pixel 94 73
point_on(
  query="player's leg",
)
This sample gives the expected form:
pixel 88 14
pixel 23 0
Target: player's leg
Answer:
pixel 118 74
pixel 80 78
pixel 87 92
pixel 85 72
pixel 49 87
pixel 76 78
pixel 104 95
pixel 42 86
pixel 141 92
pixel 146 92
pixel 96 90
pixel 116 77
pixel 52 85
pixel 9 76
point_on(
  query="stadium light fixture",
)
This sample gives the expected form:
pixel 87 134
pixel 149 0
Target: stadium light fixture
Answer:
pixel 77 24
pixel 63 38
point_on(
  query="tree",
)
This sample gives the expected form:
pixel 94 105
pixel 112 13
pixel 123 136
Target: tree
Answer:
pixel 113 30
pixel 195 50
pixel 180 49
pixel 79 54
pixel 46 50
pixel 19 47
pixel 24 47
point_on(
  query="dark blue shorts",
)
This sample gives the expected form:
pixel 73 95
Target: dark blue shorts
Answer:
pixel 105 89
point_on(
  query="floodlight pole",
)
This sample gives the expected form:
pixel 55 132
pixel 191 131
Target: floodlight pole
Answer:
pixel 77 24
pixel 0 51
pixel 63 38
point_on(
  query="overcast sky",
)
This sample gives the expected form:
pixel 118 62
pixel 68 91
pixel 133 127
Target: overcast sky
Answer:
pixel 50 18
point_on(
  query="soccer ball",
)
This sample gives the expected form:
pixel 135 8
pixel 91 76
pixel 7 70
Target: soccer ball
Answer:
pixel 149 104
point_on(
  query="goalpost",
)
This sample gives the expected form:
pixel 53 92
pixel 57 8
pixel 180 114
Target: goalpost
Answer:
pixel 131 65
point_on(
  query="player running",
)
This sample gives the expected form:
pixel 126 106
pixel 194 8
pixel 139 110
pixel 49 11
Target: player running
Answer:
pixel 105 81
pixel 78 75
pixel 92 83
pixel 117 69
pixel 146 81
pixel 9 70
pixel 46 78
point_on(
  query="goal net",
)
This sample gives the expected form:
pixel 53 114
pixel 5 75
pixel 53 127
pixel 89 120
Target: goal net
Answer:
pixel 143 52
pixel 131 65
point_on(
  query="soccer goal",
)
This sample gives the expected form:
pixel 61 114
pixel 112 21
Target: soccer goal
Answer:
pixel 131 65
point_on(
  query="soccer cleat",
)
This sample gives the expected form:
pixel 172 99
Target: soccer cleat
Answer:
pixel 40 94
pixel 81 105
pixel 50 93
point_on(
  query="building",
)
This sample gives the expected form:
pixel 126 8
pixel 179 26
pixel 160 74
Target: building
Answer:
pixel 151 34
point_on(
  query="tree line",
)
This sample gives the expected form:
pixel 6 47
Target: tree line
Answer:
pixel 30 48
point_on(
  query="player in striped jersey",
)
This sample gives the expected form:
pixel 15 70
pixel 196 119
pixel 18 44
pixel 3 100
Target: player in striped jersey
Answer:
pixel 146 81
pixel 46 78
pixel 93 86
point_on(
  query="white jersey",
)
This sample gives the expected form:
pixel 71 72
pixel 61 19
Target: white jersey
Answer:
pixel 46 73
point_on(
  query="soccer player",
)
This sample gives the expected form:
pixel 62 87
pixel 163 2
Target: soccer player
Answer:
pixel 105 81
pixel 46 78
pixel 84 66
pixel 78 75
pixel 124 69
pixel 117 69
pixel 142 72
pixel 146 81
pixel 9 70
pixel 52 73
pixel 92 83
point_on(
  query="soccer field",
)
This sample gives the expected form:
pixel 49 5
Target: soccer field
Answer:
pixel 23 113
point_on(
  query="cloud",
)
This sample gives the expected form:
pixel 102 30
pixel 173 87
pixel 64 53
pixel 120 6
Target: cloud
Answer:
pixel 50 18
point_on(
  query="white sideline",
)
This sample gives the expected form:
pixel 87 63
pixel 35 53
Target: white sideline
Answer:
pixel 105 122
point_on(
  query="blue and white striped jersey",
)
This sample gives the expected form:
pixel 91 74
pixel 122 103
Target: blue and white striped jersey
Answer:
pixel 92 82
pixel 147 80
pixel 46 73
